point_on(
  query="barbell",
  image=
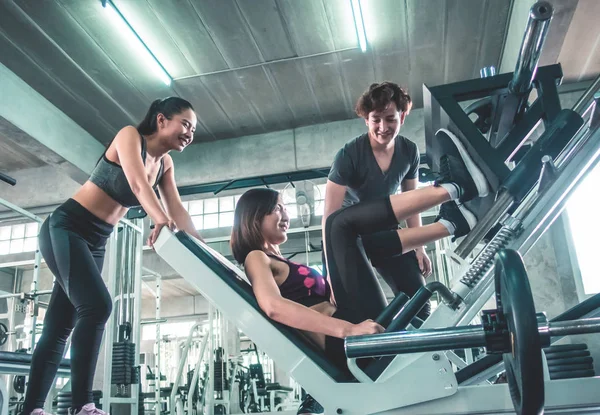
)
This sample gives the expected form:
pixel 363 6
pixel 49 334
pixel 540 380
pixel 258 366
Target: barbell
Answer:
pixel 512 329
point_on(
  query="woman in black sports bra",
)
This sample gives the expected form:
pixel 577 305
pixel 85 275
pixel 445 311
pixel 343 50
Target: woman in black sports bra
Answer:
pixel 72 241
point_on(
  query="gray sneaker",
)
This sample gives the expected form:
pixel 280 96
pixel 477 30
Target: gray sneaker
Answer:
pixel 462 218
pixel 456 166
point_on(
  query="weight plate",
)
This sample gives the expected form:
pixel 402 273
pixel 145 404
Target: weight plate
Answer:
pixel 564 355
pixel 524 369
pixel 571 361
pixel 563 368
pixel 573 374
pixel 565 348
pixel 3 334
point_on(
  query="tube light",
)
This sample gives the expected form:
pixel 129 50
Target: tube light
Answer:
pixel 359 24
pixel 132 37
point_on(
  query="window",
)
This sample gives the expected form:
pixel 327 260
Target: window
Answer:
pixel 585 229
pixel 15 239
pixel 216 212
pixel 320 199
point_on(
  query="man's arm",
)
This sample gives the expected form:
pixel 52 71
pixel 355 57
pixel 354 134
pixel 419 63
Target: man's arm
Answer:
pixel 415 222
pixel 334 197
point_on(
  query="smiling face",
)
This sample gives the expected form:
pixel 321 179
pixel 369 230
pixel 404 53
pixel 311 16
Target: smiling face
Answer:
pixel 260 222
pixel 385 125
pixel 178 130
pixel 274 226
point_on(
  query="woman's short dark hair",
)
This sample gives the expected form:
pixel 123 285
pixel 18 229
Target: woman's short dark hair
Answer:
pixel 246 235
pixel 379 96
pixel 167 107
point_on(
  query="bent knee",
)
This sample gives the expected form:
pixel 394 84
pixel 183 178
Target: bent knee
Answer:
pixel 97 312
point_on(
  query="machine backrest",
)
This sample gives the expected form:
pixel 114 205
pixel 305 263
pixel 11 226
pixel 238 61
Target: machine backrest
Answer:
pixel 236 279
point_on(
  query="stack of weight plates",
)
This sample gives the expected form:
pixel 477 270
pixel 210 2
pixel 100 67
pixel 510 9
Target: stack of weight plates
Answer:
pixel 567 361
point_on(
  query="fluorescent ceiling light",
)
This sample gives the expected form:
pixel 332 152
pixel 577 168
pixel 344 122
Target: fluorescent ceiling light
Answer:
pixel 359 24
pixel 131 36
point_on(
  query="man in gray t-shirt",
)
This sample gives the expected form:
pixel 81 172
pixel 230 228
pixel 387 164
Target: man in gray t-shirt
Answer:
pixel 373 166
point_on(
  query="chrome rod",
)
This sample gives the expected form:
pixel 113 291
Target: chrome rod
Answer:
pixel 566 328
pixel 463 337
pixel 415 341
pixel 20 211
pixel 536 31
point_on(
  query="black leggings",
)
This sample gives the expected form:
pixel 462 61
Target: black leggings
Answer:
pixel 72 242
pixel 359 233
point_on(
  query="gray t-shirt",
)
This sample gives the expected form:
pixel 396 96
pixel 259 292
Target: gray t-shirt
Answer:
pixel 355 167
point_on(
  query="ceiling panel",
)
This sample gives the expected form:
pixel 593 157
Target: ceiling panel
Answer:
pixel 226 89
pixel 266 25
pixel 323 74
pixel 561 21
pixel 295 89
pixel 492 35
pixel 357 70
pixel 308 26
pixel 463 51
pixel 580 53
pixel 426 28
pixel 14 158
pixel 212 120
pixel 229 31
pixel 260 90
pixel 386 26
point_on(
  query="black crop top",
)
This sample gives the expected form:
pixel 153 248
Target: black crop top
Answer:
pixel 303 285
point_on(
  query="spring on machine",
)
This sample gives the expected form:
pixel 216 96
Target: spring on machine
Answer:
pixel 485 259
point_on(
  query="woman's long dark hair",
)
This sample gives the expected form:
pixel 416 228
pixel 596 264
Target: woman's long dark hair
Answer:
pixel 246 235
pixel 167 107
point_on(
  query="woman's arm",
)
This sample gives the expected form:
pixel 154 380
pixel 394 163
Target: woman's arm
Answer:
pixel 129 149
pixel 293 314
pixel 172 202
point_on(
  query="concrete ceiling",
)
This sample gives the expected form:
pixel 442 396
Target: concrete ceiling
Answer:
pixel 248 66
pixel 256 66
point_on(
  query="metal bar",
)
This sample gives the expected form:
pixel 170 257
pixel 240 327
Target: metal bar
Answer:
pixel 16 295
pixel 536 31
pixel 265 63
pixel 34 285
pixel 486 223
pixel 131 225
pixel 182 362
pixel 415 341
pixel 157 407
pixel 7 179
pixel 583 103
pixel 162 320
pixel 192 386
pixel 121 277
pixel 225 186
pixel 566 328
pixel 21 211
